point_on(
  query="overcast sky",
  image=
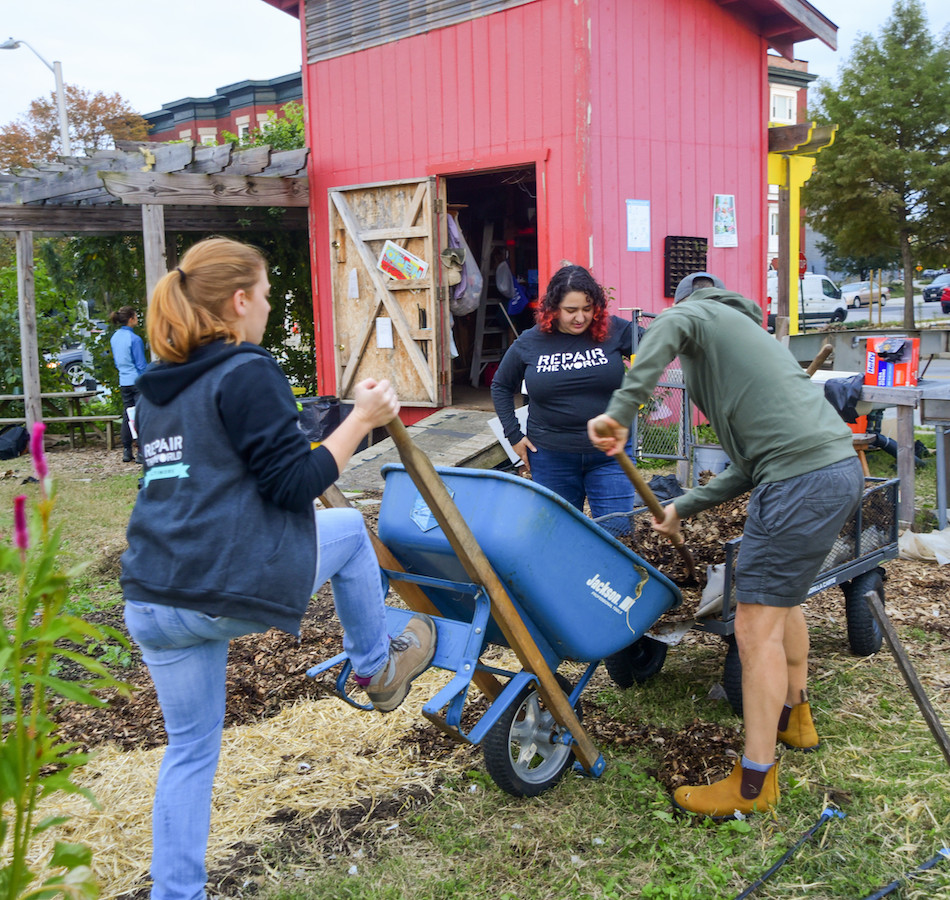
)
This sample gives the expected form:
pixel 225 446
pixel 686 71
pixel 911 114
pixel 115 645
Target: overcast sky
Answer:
pixel 156 53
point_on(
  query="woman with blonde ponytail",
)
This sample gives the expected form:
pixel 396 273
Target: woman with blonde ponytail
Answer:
pixel 224 539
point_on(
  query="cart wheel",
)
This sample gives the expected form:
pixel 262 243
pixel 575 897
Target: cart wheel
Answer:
pixel 637 663
pixel 732 675
pixel 864 633
pixel 519 754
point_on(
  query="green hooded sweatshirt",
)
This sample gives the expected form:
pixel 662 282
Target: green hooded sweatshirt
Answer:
pixel 772 420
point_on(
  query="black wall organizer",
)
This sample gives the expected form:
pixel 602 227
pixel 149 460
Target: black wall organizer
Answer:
pixel 681 255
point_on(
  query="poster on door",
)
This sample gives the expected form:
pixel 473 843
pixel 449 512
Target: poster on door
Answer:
pixel 399 263
pixel 724 221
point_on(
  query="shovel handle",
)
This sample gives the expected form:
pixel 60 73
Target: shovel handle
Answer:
pixel 819 360
pixel 654 505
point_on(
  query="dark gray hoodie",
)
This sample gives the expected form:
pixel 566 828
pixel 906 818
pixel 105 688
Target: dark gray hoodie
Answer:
pixel 224 522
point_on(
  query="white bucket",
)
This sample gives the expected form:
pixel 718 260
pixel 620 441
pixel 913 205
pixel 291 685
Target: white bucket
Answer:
pixel 708 458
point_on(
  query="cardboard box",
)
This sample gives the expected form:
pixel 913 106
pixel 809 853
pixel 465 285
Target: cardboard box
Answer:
pixel 892 361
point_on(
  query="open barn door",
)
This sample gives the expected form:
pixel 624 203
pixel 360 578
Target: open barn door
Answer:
pixel 386 326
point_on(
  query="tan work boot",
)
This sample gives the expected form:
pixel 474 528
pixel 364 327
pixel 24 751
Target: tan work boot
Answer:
pixel 409 656
pixel 800 733
pixel 723 799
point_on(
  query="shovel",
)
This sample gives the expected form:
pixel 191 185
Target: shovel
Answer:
pixel 655 507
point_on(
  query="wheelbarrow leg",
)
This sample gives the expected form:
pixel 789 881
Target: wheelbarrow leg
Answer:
pixel 413 596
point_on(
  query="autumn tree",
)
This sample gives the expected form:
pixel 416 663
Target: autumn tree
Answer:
pixel 882 189
pixel 96 121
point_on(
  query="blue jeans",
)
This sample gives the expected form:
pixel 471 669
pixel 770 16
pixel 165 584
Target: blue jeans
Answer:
pixel 187 652
pixel 575 476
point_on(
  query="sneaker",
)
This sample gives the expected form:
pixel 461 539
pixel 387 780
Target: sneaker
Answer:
pixel 127 456
pixel 409 656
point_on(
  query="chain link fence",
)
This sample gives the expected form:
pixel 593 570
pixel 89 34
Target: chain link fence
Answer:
pixel 662 429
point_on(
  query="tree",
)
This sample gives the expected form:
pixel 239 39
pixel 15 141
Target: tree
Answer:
pixel 883 188
pixel 96 121
pixel 57 323
pixel 280 133
pixel 859 266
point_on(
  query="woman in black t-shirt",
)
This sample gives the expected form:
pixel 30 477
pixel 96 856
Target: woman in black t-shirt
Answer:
pixel 571 362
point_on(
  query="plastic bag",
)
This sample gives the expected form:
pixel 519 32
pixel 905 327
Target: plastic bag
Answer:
pixel 933 546
pixel 468 292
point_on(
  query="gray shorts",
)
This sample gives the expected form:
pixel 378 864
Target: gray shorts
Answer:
pixel 790 529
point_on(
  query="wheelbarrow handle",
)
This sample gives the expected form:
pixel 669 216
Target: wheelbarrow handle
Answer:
pixel 654 505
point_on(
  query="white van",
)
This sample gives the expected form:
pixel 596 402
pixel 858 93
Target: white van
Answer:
pixel 819 300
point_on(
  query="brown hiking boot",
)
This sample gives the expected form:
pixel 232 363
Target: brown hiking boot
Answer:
pixel 800 733
pixel 409 656
pixel 723 799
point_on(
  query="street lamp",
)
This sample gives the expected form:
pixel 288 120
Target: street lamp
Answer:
pixel 57 70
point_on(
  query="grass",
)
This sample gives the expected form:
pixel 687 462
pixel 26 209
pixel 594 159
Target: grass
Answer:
pixel 616 836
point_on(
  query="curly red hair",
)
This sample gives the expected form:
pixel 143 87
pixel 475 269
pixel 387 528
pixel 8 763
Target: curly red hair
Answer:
pixel 566 280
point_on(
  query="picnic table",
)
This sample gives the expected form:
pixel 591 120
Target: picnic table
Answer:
pixel 66 408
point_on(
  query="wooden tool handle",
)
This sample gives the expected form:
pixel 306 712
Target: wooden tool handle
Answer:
pixel 819 360
pixel 654 505
pixel 456 530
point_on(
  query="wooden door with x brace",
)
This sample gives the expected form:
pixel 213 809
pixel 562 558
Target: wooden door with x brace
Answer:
pixel 385 326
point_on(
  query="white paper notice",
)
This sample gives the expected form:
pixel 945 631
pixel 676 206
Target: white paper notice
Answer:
pixel 353 290
pixel 638 225
pixel 384 333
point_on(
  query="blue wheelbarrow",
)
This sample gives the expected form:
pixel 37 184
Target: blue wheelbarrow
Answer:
pixel 500 560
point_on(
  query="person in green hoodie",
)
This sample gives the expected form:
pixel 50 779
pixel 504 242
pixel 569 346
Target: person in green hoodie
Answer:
pixel 788 446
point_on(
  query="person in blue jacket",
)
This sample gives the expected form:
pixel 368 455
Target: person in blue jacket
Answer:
pixel 128 351
pixel 224 539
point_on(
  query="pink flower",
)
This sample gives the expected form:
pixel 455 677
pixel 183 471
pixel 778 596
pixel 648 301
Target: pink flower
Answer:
pixel 19 523
pixel 37 452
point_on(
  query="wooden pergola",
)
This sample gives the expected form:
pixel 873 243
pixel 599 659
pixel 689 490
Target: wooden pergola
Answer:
pixel 155 189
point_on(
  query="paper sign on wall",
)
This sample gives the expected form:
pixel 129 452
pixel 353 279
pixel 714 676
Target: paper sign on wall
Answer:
pixel 384 333
pixel 401 264
pixel 724 221
pixel 638 225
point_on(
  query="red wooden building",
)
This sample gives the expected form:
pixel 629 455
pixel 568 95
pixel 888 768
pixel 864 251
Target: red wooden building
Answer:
pixel 597 131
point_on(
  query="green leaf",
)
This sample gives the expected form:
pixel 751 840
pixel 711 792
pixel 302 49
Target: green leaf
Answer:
pixel 70 690
pixel 49 822
pixel 70 855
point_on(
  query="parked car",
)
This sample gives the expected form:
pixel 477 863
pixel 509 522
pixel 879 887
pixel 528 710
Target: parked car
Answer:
pixel 945 301
pixel 75 364
pixel 933 290
pixel 860 293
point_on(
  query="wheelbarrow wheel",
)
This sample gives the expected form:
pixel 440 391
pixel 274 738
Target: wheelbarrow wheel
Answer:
pixel 519 754
pixel 864 632
pixel 637 663
pixel 732 675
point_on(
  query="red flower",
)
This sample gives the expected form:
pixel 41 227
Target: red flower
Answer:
pixel 19 523
pixel 37 452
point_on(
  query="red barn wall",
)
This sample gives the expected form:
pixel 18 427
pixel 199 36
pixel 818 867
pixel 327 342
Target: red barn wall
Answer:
pixel 659 100
pixel 488 93
pixel 678 113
